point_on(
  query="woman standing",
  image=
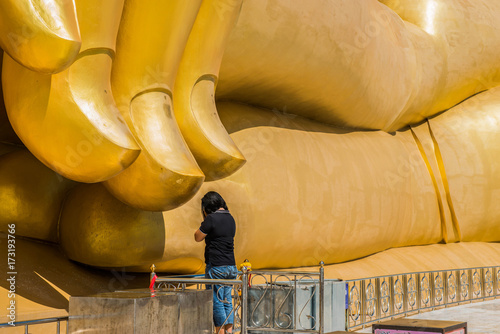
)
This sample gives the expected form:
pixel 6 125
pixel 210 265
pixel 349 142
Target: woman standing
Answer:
pixel 218 229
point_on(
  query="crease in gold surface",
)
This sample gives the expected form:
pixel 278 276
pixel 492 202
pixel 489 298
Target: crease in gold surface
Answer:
pixel 7 134
pixel 434 183
pixel 442 171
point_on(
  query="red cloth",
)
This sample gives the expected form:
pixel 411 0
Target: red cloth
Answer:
pixel 153 280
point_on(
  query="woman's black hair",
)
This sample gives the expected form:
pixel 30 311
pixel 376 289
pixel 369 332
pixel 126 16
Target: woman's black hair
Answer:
pixel 212 202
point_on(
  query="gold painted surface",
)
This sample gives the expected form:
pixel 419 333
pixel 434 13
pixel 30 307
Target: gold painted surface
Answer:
pixel 160 32
pixel 97 229
pixel 194 101
pixel 468 136
pixel 7 134
pixel 166 174
pixel 316 203
pixel 333 61
pixel 467 32
pixel 31 196
pixel 356 63
pixel 98 22
pixel 42 35
pixel 428 151
pixel 311 192
pixel 69 120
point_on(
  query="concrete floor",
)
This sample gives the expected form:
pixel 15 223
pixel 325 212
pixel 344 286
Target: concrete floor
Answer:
pixel 482 317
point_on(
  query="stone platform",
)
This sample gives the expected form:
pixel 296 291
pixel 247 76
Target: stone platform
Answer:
pixel 141 312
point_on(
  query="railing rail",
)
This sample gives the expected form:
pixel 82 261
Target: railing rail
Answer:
pixel 377 298
pixel 265 292
pixel 29 323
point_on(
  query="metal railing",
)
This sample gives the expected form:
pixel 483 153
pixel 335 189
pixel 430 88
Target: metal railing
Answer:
pixel 274 305
pixel 377 298
pixel 269 293
pixel 267 301
pixel 29 323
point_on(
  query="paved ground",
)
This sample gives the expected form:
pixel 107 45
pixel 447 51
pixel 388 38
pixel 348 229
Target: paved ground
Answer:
pixel 482 318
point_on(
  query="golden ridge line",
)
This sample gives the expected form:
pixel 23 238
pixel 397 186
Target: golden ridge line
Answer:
pixel 95 51
pixel 434 182
pixel 442 171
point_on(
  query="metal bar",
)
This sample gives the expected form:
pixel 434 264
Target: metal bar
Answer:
pixel 34 322
pixel 482 282
pixel 417 286
pixel 392 307
pixel 188 276
pixel 321 298
pixel 470 287
pixel 271 282
pixel 404 291
pixel 26 329
pixel 362 300
pixel 349 308
pixel 378 298
pixel 244 301
pixel 291 273
pixel 432 286
pixel 295 318
pixel 494 276
pixel 58 329
pixel 494 279
pixel 280 330
pixel 445 287
pixel 200 281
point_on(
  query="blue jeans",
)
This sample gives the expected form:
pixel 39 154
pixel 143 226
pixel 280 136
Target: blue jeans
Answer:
pixel 223 303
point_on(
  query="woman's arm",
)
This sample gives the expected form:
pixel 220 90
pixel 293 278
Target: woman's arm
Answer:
pixel 199 235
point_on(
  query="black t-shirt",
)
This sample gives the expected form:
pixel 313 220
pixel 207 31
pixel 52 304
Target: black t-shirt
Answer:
pixel 220 229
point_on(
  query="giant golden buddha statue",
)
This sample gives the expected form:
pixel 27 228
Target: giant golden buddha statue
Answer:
pixel 335 130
